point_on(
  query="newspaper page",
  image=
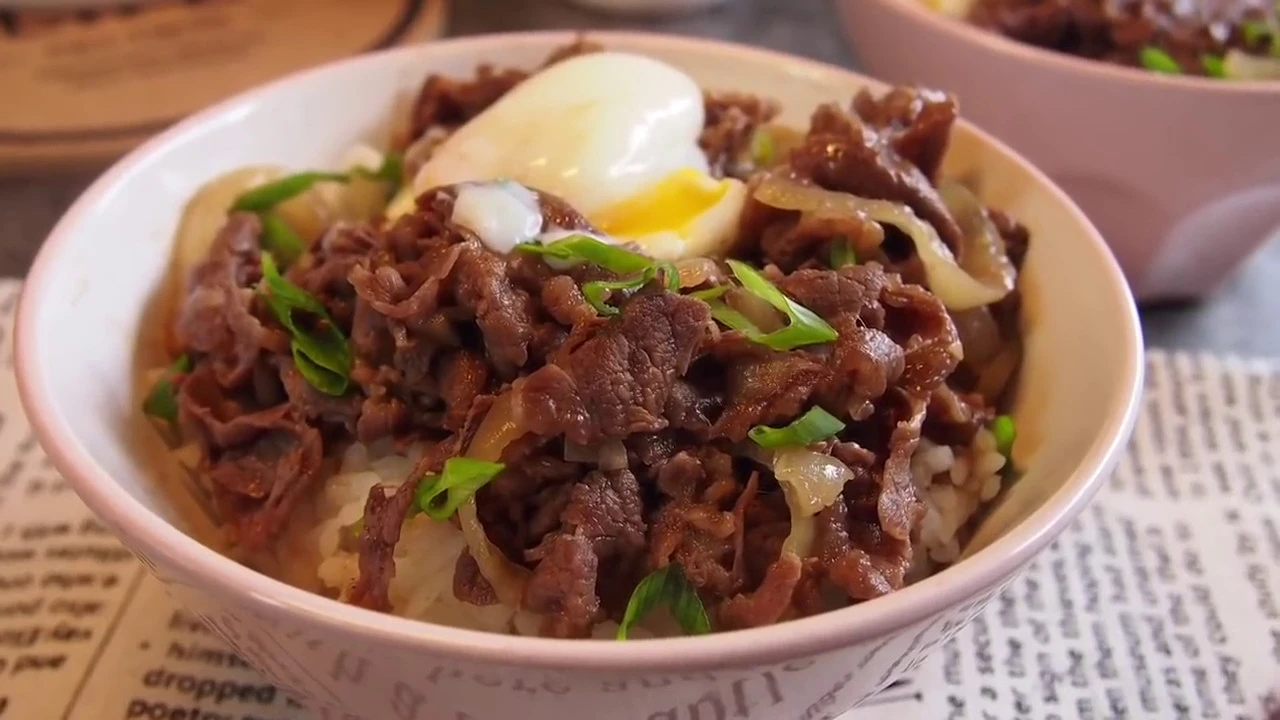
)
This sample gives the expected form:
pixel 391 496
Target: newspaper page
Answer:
pixel 1162 601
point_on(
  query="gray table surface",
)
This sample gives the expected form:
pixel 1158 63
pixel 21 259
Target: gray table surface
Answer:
pixel 1242 318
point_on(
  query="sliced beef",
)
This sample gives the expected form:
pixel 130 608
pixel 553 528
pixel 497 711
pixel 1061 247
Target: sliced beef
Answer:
pixel 259 462
pixel 766 391
pixel 216 317
pixel 844 153
pixel 1118 32
pixel 503 311
pixel 563 587
pixel 916 121
pixel 766 604
pixel 617 381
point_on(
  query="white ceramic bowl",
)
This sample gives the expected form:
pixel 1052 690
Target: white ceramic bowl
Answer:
pixel 86 302
pixel 1181 174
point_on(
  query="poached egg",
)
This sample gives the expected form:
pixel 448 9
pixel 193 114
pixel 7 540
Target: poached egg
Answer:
pixel 613 134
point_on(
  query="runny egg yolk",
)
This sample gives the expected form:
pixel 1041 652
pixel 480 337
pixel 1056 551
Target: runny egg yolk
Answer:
pixel 616 136
pixel 685 214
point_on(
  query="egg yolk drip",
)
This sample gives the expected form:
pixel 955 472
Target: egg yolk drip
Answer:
pixel 670 205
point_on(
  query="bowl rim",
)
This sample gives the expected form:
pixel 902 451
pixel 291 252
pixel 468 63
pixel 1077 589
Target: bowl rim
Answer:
pixel 244 588
pixel 915 11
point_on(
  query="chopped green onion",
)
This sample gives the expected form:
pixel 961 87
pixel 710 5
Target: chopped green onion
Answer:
pixel 804 326
pixel 279 239
pixel 584 248
pixel 1214 65
pixel 763 149
pixel 1255 32
pixel 814 426
pixel 842 253
pixel 667 586
pixel 1157 60
pixel 439 496
pixel 597 292
pixel 391 171
pixel 1005 432
pixel 323 356
pixel 710 293
pixel 162 401
pixel 265 197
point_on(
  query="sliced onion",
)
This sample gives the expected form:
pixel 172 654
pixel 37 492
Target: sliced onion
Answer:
pixel 697 271
pixel 507 578
pixel 983 253
pixel 957 289
pixel 979 335
pixel 612 455
pixel 1239 65
pixel 498 429
pixel 811 482
pixel 575 453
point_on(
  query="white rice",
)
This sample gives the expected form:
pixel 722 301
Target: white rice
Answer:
pixel 953 481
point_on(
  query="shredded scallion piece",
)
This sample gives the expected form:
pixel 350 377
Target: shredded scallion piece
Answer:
pixel 1005 433
pixel 667 586
pixel 1214 65
pixel 162 401
pixel 265 197
pixel 279 238
pixel 804 326
pixel 586 249
pixel 1157 60
pixel 597 292
pixel 439 496
pixel 842 253
pixel 814 426
pixel 321 353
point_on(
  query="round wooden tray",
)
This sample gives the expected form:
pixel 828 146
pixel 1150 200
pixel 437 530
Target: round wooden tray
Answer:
pixel 82 87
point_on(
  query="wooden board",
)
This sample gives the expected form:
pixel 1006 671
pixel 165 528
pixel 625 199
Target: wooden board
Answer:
pixel 82 87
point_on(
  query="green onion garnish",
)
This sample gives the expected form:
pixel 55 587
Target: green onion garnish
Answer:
pixel 1255 32
pixel 265 197
pixel 842 253
pixel 667 586
pixel 763 149
pixel 440 495
pixel 803 328
pixel 162 401
pixel 391 171
pixel 1157 60
pixel 1214 65
pixel 322 355
pixel 597 292
pixel 814 426
pixel 584 248
pixel 279 239
pixel 1005 432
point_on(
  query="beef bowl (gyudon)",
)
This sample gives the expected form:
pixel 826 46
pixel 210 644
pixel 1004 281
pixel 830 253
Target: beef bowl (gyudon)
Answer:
pixel 268 408
pixel 590 341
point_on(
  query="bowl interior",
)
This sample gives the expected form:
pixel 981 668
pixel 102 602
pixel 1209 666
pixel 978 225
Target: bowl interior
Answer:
pixel 89 297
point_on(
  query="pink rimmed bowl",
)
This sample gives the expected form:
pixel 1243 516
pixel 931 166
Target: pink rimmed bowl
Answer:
pixel 88 300
pixel 1181 174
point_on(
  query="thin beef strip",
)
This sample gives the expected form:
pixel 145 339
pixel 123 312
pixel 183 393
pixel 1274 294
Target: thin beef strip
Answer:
pixel 260 463
pixel 841 152
pixel 216 317
pixel 617 382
